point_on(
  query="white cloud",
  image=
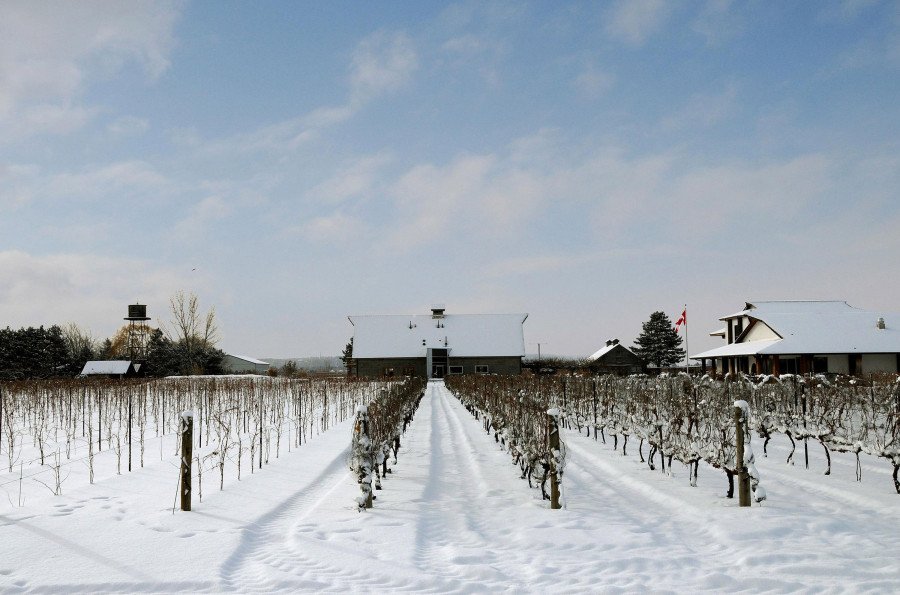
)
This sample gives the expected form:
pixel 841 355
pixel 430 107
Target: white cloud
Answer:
pixel 718 22
pixel 593 83
pixel 480 54
pixel 17 185
pixel 433 200
pixel 475 196
pixel 128 126
pixel 842 11
pixel 107 182
pixel 355 179
pixel 633 21
pixel 88 289
pixel 201 215
pixel 334 228
pixel 382 62
pixel 728 194
pixel 49 50
pixel 703 110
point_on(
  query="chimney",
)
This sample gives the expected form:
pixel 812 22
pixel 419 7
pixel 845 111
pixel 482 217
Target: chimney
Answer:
pixel 880 323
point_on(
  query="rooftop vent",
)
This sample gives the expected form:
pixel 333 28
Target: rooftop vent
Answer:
pixel 880 323
pixel 608 342
pixel 437 311
pixel 615 342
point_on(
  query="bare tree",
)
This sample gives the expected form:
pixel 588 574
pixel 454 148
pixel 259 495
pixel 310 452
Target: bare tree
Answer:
pixel 78 340
pixel 190 327
pixel 189 324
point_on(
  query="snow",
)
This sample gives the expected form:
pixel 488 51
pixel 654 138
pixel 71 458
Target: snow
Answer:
pixel 105 367
pixel 454 517
pixel 815 327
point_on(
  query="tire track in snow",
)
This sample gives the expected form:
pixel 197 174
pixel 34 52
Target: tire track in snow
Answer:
pixel 696 548
pixel 448 537
pixel 261 554
pixel 464 497
pixel 519 526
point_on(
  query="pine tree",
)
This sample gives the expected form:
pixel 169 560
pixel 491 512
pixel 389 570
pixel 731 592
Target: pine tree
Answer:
pixel 347 356
pixel 659 343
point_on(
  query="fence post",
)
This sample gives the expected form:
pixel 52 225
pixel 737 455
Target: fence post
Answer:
pixel 129 431
pixel 362 452
pixel 187 443
pixel 743 476
pixel 553 433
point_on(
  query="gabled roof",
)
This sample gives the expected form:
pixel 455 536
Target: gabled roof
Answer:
pixel 816 328
pixel 606 349
pixel 761 308
pixel 110 367
pixel 465 335
pixel 248 359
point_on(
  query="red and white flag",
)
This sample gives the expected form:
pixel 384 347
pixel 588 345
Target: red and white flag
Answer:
pixel 681 320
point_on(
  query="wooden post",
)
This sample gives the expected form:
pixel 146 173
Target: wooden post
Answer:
pixel 187 443
pixel 553 433
pixel 743 475
pixel 99 421
pixel 129 431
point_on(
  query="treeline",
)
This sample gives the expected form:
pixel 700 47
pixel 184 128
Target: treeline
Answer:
pixel 57 352
pixel 36 353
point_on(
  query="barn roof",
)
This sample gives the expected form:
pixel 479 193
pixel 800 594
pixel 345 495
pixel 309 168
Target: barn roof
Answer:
pixel 248 359
pixel 816 328
pixel 604 350
pixel 107 367
pixel 465 335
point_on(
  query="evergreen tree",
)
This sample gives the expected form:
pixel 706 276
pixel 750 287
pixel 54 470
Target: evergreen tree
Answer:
pixel 347 355
pixel 659 343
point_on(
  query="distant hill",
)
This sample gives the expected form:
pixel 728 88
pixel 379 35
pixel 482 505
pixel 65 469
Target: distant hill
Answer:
pixel 322 363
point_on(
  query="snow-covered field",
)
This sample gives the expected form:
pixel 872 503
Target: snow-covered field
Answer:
pixel 455 517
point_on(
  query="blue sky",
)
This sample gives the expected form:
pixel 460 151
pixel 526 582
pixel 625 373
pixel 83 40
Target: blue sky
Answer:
pixel 588 163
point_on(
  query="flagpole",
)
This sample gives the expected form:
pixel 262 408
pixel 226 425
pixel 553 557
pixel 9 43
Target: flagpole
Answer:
pixel 687 366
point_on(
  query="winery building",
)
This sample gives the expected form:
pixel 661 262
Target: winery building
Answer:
pixel 432 346
pixel 806 337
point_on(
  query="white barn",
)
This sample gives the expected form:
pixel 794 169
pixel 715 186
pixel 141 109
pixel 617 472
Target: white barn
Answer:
pixel 241 364
pixel 806 337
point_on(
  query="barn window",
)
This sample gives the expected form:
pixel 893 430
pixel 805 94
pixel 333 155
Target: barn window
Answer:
pixel 481 369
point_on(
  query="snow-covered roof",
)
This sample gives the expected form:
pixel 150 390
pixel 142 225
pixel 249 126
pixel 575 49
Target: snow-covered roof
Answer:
pixel 816 328
pixel 604 350
pixel 465 335
pixel 106 367
pixel 248 359
pixel 735 349
pixel 821 307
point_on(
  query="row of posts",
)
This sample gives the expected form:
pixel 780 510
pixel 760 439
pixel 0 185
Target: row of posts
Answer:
pixel 187 434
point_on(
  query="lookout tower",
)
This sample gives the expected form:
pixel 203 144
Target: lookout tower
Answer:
pixel 138 332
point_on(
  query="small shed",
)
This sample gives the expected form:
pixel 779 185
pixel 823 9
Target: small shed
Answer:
pixel 615 358
pixel 109 369
pixel 241 364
